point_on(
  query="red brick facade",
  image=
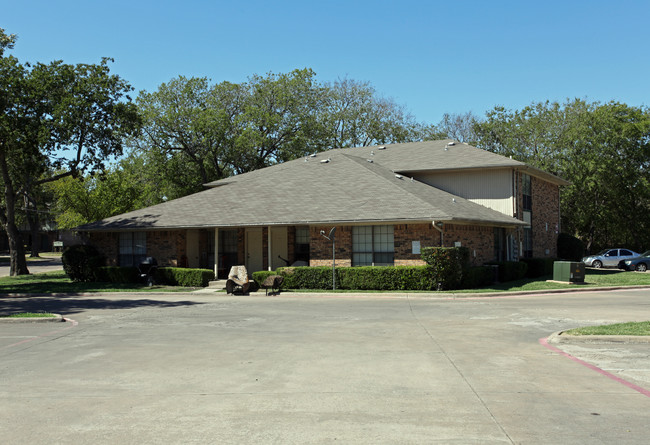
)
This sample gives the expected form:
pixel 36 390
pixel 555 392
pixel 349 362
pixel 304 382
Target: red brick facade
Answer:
pixel 169 247
pixel 545 215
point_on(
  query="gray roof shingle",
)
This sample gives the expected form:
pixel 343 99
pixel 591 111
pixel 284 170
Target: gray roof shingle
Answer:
pixel 346 189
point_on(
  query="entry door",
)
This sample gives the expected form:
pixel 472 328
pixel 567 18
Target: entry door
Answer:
pixel 278 247
pixel 254 259
pixel 192 248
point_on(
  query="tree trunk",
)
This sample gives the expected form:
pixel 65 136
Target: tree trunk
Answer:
pixel 16 248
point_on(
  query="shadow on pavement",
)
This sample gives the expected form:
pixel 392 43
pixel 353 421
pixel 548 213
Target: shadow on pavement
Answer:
pixel 72 305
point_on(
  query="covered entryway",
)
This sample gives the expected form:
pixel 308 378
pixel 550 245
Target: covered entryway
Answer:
pixel 254 250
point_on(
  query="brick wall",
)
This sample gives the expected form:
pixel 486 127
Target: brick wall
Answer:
pixel 167 247
pixel 320 248
pixel 545 217
pixel 405 234
pixel 478 239
pixel 107 243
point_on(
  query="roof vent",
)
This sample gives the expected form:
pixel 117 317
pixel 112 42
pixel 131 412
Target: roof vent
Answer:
pixel 370 160
pixel 372 152
pixel 398 176
pixel 449 144
pixel 381 147
pixel 313 155
pixel 325 161
pixel 453 199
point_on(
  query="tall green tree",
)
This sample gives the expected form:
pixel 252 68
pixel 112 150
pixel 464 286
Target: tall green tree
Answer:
pixel 55 117
pixel 354 115
pixel 603 149
pixel 189 126
pixel 279 120
pixel 119 189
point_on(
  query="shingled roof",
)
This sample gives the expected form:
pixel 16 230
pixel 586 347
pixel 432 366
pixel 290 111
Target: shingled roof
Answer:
pixel 335 186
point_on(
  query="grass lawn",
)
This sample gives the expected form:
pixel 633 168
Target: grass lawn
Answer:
pixel 29 315
pixel 593 278
pixel 58 282
pixel 632 328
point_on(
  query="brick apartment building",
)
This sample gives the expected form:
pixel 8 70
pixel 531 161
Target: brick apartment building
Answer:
pixel 386 202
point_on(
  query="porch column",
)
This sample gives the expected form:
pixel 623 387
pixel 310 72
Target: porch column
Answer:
pixel 270 248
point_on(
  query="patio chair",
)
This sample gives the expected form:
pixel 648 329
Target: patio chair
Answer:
pixel 273 282
pixel 238 280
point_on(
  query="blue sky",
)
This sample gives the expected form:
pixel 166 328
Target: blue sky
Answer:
pixel 431 56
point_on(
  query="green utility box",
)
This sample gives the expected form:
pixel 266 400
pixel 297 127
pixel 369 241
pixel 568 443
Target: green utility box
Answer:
pixel 569 271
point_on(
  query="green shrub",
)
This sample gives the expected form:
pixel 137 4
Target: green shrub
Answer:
pixel 538 267
pixel 511 270
pixel 116 274
pixel 178 276
pixel 80 262
pixel 353 278
pixel 447 264
pixel 307 277
pixel 479 276
pixel 569 247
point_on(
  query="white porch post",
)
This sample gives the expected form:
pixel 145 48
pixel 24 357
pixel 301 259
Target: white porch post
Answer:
pixel 270 249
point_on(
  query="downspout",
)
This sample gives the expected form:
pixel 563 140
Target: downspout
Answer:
pixel 439 229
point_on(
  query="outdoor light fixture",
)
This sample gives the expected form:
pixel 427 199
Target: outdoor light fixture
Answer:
pixel 333 240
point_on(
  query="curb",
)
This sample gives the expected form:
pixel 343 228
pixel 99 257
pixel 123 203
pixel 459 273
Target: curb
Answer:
pixel 56 319
pixel 561 337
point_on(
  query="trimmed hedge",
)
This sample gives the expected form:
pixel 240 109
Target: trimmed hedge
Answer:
pixel 116 274
pixel 538 267
pixel 480 276
pixel 447 265
pixel 511 270
pixel 353 278
pixel 80 262
pixel 178 276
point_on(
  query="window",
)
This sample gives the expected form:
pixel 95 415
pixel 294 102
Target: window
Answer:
pixel 227 249
pixel 133 248
pixel 301 249
pixel 373 246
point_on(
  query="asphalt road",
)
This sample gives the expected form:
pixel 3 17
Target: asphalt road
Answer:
pixel 198 368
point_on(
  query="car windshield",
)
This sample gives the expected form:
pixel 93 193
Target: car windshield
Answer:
pixel 602 252
pixel 646 253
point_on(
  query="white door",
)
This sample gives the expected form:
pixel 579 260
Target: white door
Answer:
pixel 278 247
pixel 254 258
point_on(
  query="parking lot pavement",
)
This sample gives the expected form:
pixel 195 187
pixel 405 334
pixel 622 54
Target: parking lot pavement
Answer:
pixel 197 369
pixel 43 264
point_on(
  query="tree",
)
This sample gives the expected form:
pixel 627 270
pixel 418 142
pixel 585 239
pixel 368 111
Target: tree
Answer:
pixel 355 116
pixel 189 127
pixel 80 200
pixel 459 127
pixel 279 120
pixel 603 149
pixel 55 117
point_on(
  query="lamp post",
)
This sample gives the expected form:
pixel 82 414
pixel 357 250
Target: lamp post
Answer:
pixel 332 238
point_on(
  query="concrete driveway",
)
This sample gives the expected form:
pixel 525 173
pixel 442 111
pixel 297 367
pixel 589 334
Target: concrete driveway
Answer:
pixel 217 369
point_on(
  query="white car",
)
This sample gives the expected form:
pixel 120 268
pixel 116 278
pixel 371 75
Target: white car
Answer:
pixel 608 258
